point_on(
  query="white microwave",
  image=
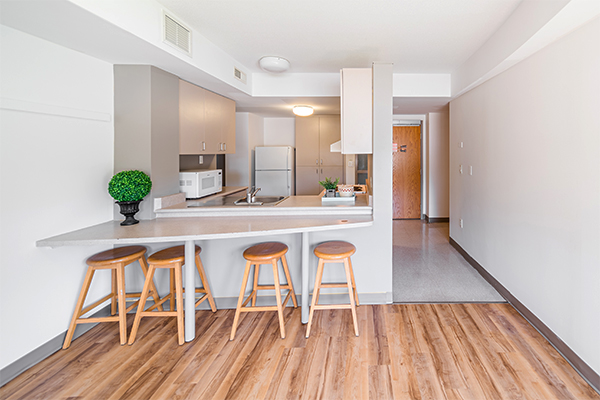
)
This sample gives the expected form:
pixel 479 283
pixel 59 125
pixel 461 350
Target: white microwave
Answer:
pixel 200 183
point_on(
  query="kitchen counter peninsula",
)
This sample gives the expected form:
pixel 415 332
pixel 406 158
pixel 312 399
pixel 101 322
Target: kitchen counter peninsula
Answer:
pixel 290 206
pixel 190 228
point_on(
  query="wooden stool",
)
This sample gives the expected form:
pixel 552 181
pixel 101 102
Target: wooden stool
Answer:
pixel 265 253
pixel 334 252
pixel 115 260
pixel 172 258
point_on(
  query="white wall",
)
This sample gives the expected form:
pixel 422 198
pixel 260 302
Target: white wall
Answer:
pixel 438 179
pixel 54 172
pixel 531 209
pixel 280 132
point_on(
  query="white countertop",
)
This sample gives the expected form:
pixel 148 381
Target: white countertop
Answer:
pixel 291 206
pixel 195 228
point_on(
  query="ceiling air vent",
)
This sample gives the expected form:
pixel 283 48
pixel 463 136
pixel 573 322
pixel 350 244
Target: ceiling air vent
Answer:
pixel 177 35
pixel 239 75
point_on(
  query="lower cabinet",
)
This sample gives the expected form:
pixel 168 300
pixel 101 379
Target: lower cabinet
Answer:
pixel 307 178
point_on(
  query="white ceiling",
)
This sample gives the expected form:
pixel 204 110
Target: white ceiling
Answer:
pixel 318 37
pixel 417 36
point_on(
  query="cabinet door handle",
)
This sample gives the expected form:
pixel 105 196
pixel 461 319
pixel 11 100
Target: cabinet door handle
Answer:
pixel 203 146
pixel 321 171
pixel 317 161
pixel 317 171
pixel 225 146
pixel 321 161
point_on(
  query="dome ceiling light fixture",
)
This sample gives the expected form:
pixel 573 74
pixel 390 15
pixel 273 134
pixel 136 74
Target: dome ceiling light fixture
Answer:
pixel 274 64
pixel 303 111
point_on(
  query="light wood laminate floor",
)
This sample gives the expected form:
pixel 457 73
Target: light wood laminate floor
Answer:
pixel 404 351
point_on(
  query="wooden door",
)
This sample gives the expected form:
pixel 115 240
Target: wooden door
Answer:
pixel 406 173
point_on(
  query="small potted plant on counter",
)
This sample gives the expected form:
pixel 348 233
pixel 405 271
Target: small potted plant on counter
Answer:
pixel 330 186
pixel 128 188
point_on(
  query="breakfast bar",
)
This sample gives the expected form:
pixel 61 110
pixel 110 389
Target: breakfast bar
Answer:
pixel 188 229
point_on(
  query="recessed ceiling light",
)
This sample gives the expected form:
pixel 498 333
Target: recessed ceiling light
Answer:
pixel 303 111
pixel 274 64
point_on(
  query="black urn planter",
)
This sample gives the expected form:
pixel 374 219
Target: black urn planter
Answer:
pixel 129 209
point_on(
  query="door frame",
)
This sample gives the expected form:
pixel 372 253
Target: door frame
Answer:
pixel 417 120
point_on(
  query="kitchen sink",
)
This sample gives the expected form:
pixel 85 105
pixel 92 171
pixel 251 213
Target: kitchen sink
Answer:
pixel 261 201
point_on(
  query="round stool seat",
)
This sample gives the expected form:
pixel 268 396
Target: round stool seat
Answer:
pixel 265 251
pixel 335 250
pixel 118 255
pixel 171 255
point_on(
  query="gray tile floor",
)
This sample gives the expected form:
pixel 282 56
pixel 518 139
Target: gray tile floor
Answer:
pixel 428 270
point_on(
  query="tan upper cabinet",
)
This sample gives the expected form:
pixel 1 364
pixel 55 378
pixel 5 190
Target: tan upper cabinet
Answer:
pixel 329 132
pixel 307 141
pixel 314 135
pixel 191 119
pixel 357 110
pixel 314 160
pixel 207 121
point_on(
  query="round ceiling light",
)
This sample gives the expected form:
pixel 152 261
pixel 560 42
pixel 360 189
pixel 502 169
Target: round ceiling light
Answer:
pixel 303 111
pixel 274 64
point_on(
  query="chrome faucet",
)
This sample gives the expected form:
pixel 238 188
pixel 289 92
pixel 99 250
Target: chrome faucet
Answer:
pixel 251 193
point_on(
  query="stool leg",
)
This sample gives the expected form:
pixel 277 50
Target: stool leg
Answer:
pixel 179 295
pixel 315 296
pixel 255 284
pixel 278 297
pixel 353 283
pixel 79 306
pixel 202 274
pixel 155 296
pixel 113 300
pixel 351 295
pixel 286 271
pixel 172 289
pixel 122 305
pixel 240 300
pixel 141 305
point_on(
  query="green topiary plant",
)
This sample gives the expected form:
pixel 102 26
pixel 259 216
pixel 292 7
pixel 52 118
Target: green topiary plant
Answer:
pixel 129 186
pixel 328 184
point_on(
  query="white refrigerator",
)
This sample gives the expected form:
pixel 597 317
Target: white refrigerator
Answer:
pixel 274 170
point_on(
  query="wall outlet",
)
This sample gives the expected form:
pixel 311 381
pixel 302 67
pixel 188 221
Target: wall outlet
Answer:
pixel 200 159
pixel 350 163
pixel 460 221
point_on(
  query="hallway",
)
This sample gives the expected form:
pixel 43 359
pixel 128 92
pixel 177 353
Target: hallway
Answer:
pixel 427 269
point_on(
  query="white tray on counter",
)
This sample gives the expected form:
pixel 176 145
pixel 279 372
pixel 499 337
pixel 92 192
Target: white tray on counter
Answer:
pixel 338 199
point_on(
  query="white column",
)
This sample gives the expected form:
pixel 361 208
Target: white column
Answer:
pixel 190 290
pixel 305 276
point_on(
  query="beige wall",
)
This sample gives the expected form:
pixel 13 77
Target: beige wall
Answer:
pixel 531 209
pixel 437 159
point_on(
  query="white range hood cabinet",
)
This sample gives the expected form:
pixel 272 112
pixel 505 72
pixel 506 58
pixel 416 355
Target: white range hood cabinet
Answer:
pixel 336 147
pixel 356 111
